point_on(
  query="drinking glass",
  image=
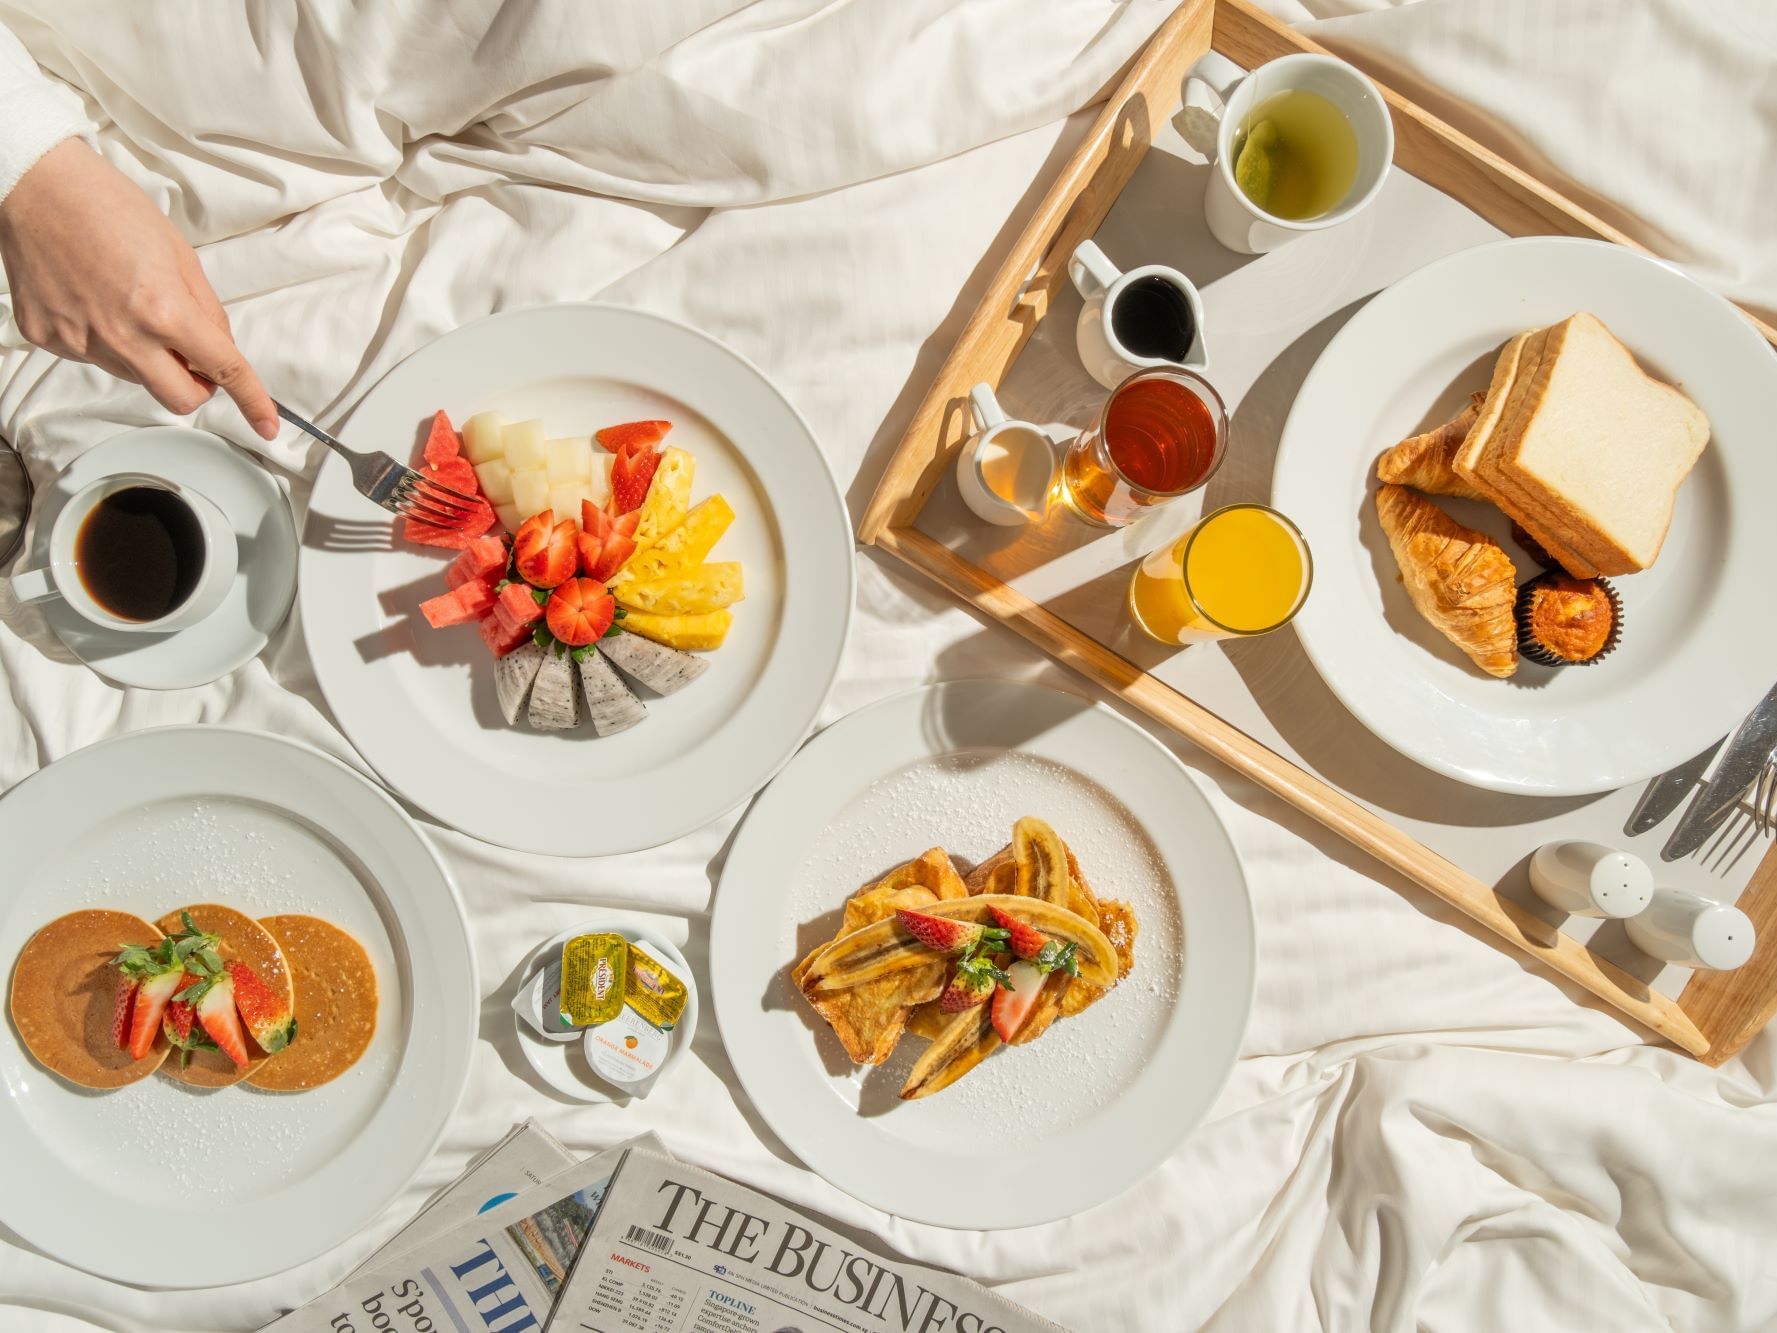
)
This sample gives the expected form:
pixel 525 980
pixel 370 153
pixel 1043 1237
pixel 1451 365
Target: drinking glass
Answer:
pixel 15 500
pixel 1161 434
pixel 1242 571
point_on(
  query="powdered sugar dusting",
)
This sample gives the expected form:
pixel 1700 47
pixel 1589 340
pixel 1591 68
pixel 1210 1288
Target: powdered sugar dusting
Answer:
pixel 966 802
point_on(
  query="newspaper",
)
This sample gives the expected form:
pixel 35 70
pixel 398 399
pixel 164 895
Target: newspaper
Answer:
pixel 498 1271
pixel 675 1249
pixel 527 1156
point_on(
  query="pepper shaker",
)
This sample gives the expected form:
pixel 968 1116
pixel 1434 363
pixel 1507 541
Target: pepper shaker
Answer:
pixel 1590 879
pixel 1683 928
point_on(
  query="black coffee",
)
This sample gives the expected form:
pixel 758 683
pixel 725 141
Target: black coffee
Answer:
pixel 1152 318
pixel 140 552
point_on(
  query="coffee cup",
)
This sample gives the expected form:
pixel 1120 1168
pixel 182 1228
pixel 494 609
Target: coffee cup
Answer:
pixel 1006 471
pixel 1220 89
pixel 1150 316
pixel 137 554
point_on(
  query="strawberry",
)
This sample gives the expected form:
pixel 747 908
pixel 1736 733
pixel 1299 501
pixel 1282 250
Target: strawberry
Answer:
pixel 155 973
pixel 123 1008
pixel 265 1012
pixel 180 1015
pixel 1013 1002
pixel 216 1012
pixel 543 551
pixel 595 527
pixel 974 980
pixel 634 434
pixel 947 936
pixel 613 556
pixel 580 611
pixel 631 475
pixel 1030 944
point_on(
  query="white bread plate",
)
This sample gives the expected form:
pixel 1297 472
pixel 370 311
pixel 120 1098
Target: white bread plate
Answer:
pixel 1697 650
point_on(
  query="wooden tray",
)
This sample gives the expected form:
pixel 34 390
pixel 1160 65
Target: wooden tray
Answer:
pixel 1716 1013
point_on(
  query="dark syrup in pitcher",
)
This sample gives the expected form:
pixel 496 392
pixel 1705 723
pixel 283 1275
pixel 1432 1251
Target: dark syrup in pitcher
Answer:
pixel 140 553
pixel 1152 319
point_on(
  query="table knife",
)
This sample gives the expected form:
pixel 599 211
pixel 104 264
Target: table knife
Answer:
pixel 1740 763
pixel 1667 792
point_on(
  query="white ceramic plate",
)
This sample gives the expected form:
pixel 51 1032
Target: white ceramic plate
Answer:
pixel 1097 1102
pixel 111 1182
pixel 238 630
pixel 1694 657
pixel 419 703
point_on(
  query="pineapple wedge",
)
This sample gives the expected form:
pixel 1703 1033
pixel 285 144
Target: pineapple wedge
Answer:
pixel 706 588
pixel 669 498
pixel 684 548
pixel 691 633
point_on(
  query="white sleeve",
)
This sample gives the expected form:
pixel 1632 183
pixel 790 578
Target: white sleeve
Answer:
pixel 36 113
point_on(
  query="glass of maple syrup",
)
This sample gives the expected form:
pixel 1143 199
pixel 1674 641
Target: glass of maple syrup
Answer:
pixel 1161 434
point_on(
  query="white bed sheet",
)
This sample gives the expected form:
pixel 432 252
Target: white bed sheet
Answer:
pixel 1422 1130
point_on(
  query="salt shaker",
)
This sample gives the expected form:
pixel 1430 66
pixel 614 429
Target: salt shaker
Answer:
pixel 1683 928
pixel 1590 879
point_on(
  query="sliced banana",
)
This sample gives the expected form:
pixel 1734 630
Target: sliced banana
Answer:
pixel 886 946
pixel 1041 857
pixel 966 1040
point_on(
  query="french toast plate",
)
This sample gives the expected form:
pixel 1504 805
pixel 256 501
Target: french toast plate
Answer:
pixel 115 1182
pixel 1033 1132
pixel 1697 645
pixel 419 704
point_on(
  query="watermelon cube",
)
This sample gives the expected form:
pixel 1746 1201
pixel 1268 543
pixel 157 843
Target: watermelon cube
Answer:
pixel 459 606
pixel 483 558
pixel 501 640
pixel 450 539
pixel 443 443
pixel 516 608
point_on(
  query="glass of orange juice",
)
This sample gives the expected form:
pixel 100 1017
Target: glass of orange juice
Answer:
pixel 1243 570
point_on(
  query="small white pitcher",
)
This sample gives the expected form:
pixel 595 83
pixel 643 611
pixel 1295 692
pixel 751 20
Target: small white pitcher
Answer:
pixel 1102 284
pixel 1008 469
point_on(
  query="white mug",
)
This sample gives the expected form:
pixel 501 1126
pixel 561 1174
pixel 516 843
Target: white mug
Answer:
pixel 1006 471
pixel 1230 92
pixel 61 576
pixel 1103 284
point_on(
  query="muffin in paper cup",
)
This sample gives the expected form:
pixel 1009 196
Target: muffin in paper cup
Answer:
pixel 1563 621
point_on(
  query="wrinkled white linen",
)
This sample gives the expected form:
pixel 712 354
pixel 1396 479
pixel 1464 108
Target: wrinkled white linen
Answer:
pixel 1422 1130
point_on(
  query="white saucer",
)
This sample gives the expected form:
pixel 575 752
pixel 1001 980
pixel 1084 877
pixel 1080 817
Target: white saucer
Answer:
pixel 563 1064
pixel 237 631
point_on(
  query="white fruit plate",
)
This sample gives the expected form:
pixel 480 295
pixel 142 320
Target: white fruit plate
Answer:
pixel 419 703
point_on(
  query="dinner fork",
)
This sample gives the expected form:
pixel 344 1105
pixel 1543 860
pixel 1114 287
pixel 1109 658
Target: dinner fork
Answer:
pixel 395 486
pixel 1764 797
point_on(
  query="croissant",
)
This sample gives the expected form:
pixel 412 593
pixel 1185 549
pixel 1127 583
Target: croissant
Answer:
pixel 1461 580
pixel 1423 461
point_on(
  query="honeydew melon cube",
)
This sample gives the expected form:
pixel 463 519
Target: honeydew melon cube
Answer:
pixel 565 497
pixel 530 491
pixel 524 445
pixel 496 481
pixel 508 516
pixel 569 459
pixel 598 488
pixel 481 437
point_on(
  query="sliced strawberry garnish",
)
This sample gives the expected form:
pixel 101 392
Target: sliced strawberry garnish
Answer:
pixel 631 476
pixel 945 935
pixel 151 1004
pixel 544 552
pixel 634 434
pixel 973 982
pixel 613 556
pixel 216 1012
pixel 1012 1003
pixel 265 1012
pixel 1029 943
pixel 123 1008
pixel 181 1014
pixel 580 611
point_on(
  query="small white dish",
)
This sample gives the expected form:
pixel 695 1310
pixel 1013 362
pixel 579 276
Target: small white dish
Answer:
pixel 1007 470
pixel 253 606
pixel 563 1064
pixel 1103 285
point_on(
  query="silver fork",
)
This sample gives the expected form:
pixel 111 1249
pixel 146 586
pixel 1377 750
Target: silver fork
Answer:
pixel 1764 797
pixel 395 486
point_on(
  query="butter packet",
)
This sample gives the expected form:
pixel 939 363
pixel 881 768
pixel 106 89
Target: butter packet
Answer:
pixel 652 990
pixel 593 978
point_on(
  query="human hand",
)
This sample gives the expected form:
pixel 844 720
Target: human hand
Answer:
pixel 99 275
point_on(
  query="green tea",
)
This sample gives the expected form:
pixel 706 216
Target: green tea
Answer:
pixel 1295 155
